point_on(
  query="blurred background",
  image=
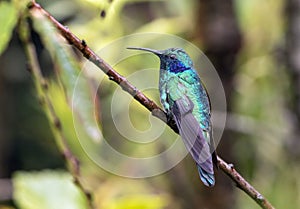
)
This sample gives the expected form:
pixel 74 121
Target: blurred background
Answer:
pixel 255 48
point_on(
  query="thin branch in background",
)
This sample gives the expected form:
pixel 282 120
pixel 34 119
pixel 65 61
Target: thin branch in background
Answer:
pixel 6 190
pixel 292 55
pixel 42 89
pixel 146 102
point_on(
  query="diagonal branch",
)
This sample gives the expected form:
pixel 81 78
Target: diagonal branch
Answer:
pixel 241 183
pixel 81 45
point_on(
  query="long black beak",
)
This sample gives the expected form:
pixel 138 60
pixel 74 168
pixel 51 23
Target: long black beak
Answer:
pixel 157 52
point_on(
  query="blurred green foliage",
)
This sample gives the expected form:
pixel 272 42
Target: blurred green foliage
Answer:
pixel 261 95
pixel 8 18
pixel 259 112
pixel 47 189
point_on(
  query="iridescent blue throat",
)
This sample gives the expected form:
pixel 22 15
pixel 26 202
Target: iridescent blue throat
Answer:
pixel 175 67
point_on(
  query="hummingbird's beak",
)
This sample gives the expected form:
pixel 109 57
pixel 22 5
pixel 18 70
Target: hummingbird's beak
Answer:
pixel 157 52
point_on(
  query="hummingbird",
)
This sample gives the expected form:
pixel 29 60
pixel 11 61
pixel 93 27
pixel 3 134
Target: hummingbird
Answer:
pixel 185 100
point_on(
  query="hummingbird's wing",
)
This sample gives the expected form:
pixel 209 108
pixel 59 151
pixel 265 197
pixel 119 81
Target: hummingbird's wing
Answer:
pixel 193 138
pixel 198 86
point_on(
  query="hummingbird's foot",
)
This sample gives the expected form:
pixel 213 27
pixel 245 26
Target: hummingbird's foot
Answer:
pixel 171 121
pixel 160 114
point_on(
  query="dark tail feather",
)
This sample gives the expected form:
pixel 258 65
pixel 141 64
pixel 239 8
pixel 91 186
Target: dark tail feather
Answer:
pixel 215 159
pixel 207 178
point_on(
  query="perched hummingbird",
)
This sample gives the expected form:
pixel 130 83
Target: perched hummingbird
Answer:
pixel 185 100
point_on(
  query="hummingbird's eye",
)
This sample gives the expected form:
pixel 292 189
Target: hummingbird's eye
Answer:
pixel 172 56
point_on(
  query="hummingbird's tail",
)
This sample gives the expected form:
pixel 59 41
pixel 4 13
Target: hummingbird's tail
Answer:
pixel 207 178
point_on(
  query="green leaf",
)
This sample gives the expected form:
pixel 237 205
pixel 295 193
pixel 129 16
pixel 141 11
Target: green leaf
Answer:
pixel 8 19
pixel 69 71
pixel 47 190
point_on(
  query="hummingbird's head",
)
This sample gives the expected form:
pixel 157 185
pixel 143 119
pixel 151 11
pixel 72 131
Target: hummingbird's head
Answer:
pixel 173 59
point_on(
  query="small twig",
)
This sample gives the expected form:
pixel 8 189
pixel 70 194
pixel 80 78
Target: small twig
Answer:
pixel 146 102
pixel 42 89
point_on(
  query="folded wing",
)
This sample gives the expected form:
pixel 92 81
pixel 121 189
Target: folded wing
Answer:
pixel 193 138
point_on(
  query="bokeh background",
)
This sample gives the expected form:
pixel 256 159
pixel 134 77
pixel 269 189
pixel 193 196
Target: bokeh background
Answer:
pixel 254 46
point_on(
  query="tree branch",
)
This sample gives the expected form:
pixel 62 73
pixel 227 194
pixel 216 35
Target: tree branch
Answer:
pixel 242 184
pixel 42 90
pixel 146 102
